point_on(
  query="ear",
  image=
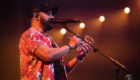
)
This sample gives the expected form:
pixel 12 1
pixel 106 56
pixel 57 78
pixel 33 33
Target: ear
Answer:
pixel 36 15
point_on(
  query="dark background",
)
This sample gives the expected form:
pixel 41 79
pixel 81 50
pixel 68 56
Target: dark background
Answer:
pixel 118 36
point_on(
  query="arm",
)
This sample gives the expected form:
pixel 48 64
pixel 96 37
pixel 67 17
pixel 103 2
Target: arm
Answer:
pixel 71 65
pixel 51 54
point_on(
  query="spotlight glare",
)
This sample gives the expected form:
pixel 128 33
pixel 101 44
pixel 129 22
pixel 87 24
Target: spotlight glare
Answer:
pixel 63 31
pixel 82 25
pixel 102 18
pixel 127 10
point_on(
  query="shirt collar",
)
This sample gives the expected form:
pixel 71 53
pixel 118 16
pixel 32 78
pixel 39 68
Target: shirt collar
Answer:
pixel 41 32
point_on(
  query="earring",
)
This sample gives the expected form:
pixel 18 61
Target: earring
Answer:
pixel 36 15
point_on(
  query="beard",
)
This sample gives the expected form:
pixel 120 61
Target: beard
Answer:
pixel 46 24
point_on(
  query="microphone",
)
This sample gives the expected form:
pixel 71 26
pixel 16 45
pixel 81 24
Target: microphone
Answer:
pixel 64 21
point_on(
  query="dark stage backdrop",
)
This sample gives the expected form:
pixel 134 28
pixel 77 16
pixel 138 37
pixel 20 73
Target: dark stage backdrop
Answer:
pixel 118 36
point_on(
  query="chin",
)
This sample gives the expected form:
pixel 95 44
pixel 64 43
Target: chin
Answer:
pixel 48 28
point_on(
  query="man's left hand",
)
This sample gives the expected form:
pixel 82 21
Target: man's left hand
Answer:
pixel 83 50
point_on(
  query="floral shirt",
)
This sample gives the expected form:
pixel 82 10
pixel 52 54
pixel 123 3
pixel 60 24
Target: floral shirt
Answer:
pixel 31 67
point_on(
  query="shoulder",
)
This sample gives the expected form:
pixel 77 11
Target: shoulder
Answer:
pixel 31 32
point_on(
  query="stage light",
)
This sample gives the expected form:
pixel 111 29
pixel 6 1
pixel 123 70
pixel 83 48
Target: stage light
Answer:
pixel 82 25
pixel 63 31
pixel 102 18
pixel 127 10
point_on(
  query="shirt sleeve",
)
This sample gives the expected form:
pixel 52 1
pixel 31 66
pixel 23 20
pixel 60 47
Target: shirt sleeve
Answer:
pixel 34 40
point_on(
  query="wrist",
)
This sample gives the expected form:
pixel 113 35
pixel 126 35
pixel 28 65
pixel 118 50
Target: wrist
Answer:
pixel 72 45
pixel 70 48
pixel 79 59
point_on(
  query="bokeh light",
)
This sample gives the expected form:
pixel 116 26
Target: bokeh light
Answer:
pixel 82 25
pixel 63 31
pixel 127 10
pixel 102 18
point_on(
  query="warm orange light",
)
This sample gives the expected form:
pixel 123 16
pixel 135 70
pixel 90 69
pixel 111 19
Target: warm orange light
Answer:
pixel 63 31
pixel 102 18
pixel 82 25
pixel 127 10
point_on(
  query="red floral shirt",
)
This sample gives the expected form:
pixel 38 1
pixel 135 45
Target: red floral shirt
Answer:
pixel 31 67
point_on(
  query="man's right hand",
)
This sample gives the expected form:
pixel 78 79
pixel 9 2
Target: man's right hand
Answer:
pixel 75 42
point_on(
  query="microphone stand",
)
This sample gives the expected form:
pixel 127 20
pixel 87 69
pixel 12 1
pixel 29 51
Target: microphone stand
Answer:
pixel 119 65
pixel 117 69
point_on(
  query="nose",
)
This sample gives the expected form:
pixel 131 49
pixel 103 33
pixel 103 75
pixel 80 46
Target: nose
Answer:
pixel 51 16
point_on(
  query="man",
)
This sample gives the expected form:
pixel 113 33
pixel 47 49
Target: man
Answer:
pixel 40 57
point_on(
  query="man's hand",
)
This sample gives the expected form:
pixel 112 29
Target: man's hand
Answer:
pixel 75 42
pixel 83 50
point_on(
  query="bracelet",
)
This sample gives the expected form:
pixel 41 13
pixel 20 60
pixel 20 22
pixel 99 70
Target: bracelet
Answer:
pixel 79 60
pixel 69 47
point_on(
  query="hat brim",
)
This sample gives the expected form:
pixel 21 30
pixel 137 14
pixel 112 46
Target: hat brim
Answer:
pixel 54 10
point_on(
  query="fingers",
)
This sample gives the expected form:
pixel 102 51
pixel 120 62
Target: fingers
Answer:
pixel 85 48
pixel 75 41
pixel 79 41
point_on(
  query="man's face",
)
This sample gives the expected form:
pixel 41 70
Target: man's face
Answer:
pixel 45 17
